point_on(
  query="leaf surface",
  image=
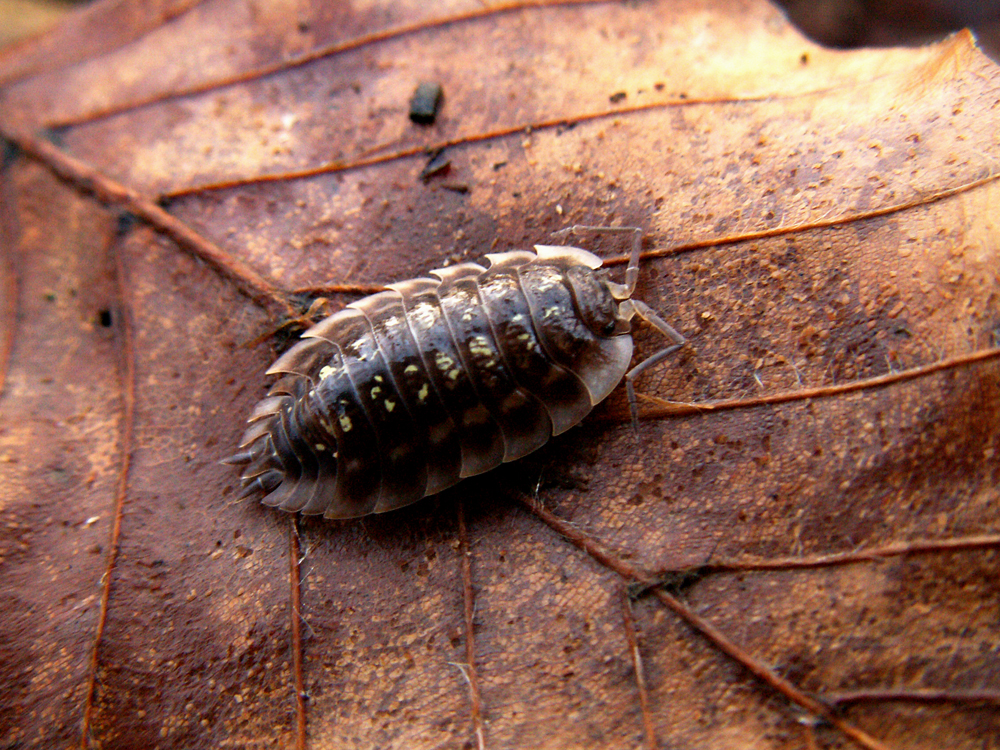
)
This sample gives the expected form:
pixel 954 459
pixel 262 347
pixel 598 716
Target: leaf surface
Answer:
pixel 818 224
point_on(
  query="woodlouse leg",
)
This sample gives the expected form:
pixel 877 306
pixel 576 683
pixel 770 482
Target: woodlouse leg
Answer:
pixel 632 374
pixel 632 307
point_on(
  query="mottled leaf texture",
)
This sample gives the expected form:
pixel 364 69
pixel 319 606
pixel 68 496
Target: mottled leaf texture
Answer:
pixel 796 549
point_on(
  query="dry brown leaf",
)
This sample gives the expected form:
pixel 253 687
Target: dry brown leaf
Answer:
pixel 814 219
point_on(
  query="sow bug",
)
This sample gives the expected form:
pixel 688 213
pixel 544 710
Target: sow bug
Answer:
pixel 404 393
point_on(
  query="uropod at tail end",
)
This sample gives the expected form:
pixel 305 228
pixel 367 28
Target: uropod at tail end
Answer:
pixel 404 393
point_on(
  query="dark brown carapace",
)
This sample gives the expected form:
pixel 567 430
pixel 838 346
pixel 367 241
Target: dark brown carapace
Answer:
pixel 404 393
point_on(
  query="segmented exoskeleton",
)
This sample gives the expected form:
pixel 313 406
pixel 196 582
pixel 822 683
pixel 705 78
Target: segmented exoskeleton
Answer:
pixel 406 392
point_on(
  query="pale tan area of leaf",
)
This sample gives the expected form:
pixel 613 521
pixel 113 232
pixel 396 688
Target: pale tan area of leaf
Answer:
pixel 25 18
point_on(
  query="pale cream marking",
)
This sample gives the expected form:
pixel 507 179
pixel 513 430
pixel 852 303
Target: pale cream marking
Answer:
pixel 480 346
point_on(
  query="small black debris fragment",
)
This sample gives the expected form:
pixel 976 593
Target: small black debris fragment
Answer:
pixel 438 164
pixel 426 102
pixel 126 222
pixel 618 96
pixel 9 151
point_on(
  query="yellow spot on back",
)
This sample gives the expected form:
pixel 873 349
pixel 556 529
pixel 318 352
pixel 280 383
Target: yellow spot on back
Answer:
pixel 345 423
pixel 389 405
pixel 422 393
pixel 320 447
pixel 410 369
pixel 480 346
pixel 326 372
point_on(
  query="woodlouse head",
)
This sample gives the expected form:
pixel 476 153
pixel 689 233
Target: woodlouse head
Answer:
pixel 594 302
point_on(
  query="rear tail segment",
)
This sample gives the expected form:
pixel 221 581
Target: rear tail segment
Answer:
pixel 268 453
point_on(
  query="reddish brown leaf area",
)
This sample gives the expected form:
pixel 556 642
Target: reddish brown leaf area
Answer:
pixel 807 572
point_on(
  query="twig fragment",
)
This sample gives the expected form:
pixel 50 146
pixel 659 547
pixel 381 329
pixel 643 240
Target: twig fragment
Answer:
pixel 295 588
pixel 468 596
pixel 113 193
pixel 715 636
pixel 640 677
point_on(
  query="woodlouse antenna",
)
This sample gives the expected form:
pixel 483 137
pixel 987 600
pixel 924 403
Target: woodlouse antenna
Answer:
pixel 619 291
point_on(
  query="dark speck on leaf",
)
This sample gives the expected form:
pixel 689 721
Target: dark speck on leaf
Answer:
pixel 438 164
pixel 426 102
pixel 125 223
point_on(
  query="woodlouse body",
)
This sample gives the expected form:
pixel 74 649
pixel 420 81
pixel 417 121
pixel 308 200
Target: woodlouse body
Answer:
pixel 404 393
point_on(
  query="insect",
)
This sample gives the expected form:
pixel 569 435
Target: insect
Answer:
pixel 404 393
